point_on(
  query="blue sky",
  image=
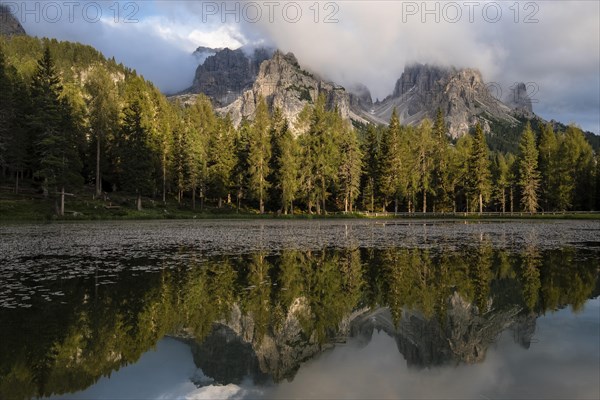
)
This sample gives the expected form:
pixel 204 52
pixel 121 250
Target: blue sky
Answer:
pixel 553 45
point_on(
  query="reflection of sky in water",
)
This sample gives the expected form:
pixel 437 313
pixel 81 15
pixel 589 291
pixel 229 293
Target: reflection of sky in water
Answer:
pixel 562 362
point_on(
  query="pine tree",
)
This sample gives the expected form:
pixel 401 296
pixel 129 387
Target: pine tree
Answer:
pixel 575 165
pixel 321 153
pixel 259 154
pixel 289 171
pixel 135 161
pixel 502 180
pixel 221 159
pixel 103 113
pixel 393 163
pixel 55 130
pixel 548 147
pixel 285 165
pixel 350 167
pixel 370 168
pixel 202 125
pixel 529 176
pixel 441 165
pixel 240 171
pixel 479 169
pixel 15 145
pixel 424 152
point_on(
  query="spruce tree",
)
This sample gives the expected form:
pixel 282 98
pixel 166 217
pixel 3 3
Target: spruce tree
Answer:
pixel 202 125
pixel 441 165
pixel 259 154
pixel 370 168
pixel 349 168
pixel 548 147
pixel 424 147
pixel 58 163
pixel 529 176
pixel 103 114
pixel 136 164
pixel 478 169
pixel 221 160
pixel 393 163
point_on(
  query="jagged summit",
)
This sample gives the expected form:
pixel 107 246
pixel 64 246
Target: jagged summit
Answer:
pixel 461 94
pixel 9 24
pixel 235 79
pixel 519 99
pixel 226 73
pixel 285 85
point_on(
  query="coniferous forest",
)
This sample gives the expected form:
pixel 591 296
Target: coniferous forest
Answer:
pixel 75 123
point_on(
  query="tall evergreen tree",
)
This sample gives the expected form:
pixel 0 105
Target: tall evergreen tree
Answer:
pixel 202 125
pixel 135 161
pixel 393 181
pixel 56 141
pixel 321 152
pixel 441 165
pixel 103 113
pixel 370 168
pixel 479 169
pixel 424 146
pixel 529 176
pixel 285 166
pixel 259 154
pixel 350 167
pixel 502 180
pixel 15 144
pixel 221 159
pixel 548 148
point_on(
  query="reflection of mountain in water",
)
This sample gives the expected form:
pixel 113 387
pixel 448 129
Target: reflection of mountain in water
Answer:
pixel 230 353
pixel 463 337
pixel 262 316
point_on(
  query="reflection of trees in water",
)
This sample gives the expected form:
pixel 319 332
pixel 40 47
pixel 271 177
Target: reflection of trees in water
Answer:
pixel 285 308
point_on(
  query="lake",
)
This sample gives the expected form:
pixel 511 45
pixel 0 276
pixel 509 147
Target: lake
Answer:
pixel 300 309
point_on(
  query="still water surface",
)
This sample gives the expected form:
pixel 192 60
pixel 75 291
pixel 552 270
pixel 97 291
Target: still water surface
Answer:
pixel 300 309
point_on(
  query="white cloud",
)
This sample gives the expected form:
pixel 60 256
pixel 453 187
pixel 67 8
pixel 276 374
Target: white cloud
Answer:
pixel 373 41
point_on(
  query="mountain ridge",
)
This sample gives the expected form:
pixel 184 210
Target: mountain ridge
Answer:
pixel 236 79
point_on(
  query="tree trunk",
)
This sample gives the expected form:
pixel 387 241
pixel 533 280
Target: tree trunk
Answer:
pixel 480 203
pixel 201 199
pixel 351 203
pixel 193 198
pixel 372 196
pixel 98 178
pixel 503 201
pixel 424 201
pixel 511 200
pixel 220 202
pixel 323 195
pixel 139 202
pixel 164 176
pixel 261 205
pixel 62 201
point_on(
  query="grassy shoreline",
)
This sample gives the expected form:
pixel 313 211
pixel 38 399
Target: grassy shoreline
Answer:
pixel 19 209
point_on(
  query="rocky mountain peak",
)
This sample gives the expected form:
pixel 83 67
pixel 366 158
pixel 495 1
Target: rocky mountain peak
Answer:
pixel 224 75
pixel 519 99
pixel 283 83
pixel 9 24
pixel 422 76
pixel 460 93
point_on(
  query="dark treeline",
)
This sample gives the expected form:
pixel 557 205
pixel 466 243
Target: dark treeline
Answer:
pixel 70 118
